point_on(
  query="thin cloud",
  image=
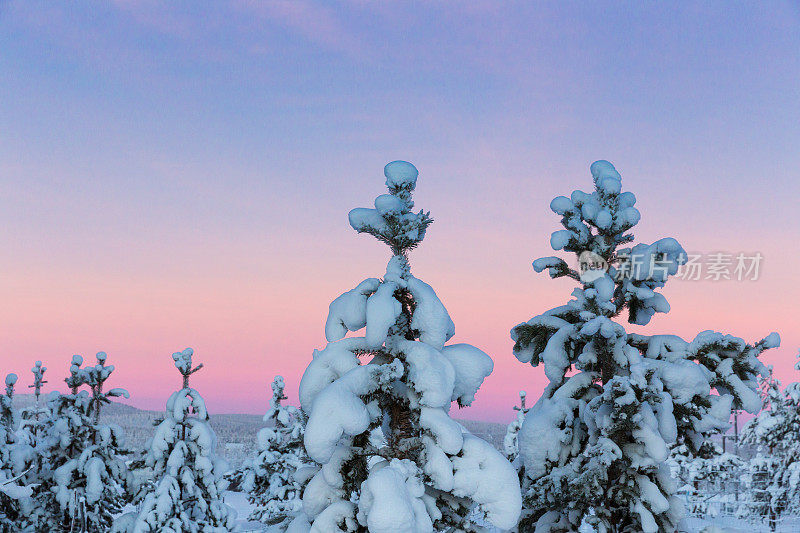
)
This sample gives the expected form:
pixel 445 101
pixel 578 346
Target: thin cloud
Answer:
pixel 316 23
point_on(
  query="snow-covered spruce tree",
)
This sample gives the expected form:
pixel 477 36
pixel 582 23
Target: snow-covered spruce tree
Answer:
pixel 38 381
pixel 33 416
pixel 33 423
pixel 774 473
pixel 777 426
pixel 66 433
pixel 707 477
pixel 510 443
pixel 392 458
pixel 594 446
pixel 14 497
pixel 28 455
pixel 82 476
pixel 189 482
pixel 99 476
pixel 8 416
pixel 270 480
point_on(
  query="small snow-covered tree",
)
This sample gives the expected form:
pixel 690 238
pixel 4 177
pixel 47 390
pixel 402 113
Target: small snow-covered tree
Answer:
pixel 82 481
pixel 270 479
pixel 391 457
pixel 186 496
pixel 60 506
pixel 34 417
pixel 27 457
pixel 8 415
pixel 777 426
pixel 708 478
pixel 38 382
pixel 14 497
pixel 510 443
pixel 595 444
pixel 774 473
pixel 100 473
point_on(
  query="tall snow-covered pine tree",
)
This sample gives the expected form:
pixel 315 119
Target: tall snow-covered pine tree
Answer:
pixel 594 446
pixel 391 457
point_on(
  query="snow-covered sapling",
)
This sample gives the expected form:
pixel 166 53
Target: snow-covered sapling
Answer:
pixel 8 416
pixel 28 455
pixel 88 485
pixel 271 480
pixel 510 444
pixel 38 380
pixel 774 473
pixel 34 416
pixel 14 496
pixel 101 470
pixel 594 446
pixel 96 377
pixel 187 493
pixel 707 478
pixel 391 457
pixel 60 503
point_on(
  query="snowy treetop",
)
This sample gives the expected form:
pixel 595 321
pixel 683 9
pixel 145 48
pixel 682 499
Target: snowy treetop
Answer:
pixel 77 376
pixel 277 388
pixel 392 221
pixel 400 176
pixel 596 225
pixel 183 360
pixel 280 413
pixel 38 377
pixel 7 414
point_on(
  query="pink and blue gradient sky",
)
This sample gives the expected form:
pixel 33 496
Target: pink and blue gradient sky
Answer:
pixel 175 176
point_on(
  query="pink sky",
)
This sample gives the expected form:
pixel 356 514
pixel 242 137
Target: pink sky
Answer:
pixel 175 178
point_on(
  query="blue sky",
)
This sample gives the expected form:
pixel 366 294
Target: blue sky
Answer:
pixel 179 173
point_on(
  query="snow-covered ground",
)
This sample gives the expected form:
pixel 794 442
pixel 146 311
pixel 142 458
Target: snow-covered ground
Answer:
pixel 239 502
pixel 734 525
